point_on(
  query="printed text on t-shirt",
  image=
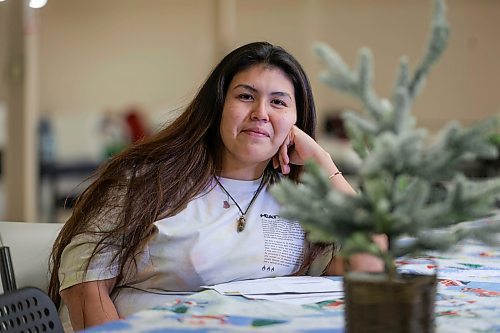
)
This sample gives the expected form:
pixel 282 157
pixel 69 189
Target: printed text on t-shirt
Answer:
pixel 283 241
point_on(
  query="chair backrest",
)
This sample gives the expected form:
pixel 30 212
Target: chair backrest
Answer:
pixel 30 245
pixel 28 310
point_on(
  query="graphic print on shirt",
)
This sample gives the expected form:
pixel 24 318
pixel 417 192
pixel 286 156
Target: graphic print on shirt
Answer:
pixel 283 243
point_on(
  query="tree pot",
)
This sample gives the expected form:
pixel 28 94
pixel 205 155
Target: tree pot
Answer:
pixel 376 303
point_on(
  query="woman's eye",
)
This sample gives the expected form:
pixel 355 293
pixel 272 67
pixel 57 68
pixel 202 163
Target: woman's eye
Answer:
pixel 245 97
pixel 279 102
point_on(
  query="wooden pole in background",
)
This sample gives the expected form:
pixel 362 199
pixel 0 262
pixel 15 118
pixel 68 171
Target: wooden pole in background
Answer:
pixel 21 161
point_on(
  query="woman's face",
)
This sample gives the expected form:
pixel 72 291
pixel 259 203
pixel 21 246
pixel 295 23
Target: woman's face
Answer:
pixel 258 114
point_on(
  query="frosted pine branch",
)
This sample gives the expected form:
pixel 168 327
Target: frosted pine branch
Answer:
pixel 409 190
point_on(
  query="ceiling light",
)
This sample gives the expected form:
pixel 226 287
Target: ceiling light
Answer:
pixel 37 3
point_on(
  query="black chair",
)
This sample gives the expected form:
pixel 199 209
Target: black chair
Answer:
pixel 28 310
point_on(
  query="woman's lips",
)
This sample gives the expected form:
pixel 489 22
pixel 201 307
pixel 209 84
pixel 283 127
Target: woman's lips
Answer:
pixel 257 132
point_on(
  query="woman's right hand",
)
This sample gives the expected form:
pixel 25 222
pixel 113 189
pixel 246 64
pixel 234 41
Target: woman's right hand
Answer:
pixel 89 303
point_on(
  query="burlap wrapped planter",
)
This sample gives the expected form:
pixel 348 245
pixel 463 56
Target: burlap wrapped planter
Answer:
pixel 374 303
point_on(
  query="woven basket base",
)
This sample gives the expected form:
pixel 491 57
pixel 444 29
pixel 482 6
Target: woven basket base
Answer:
pixel 376 304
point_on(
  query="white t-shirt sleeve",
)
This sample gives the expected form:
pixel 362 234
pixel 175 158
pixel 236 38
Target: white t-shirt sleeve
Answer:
pixel 77 253
pixel 74 260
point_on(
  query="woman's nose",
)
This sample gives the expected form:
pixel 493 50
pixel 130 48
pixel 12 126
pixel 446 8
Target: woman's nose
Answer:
pixel 259 111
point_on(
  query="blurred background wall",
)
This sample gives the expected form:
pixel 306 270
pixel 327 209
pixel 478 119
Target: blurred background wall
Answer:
pixel 100 57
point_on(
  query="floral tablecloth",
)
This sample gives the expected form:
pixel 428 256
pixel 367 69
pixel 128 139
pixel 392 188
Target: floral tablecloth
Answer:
pixel 468 300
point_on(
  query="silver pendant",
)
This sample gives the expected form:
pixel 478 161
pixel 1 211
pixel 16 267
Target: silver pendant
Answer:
pixel 241 223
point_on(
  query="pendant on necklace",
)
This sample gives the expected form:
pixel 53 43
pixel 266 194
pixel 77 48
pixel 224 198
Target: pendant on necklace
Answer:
pixel 241 223
pixel 226 204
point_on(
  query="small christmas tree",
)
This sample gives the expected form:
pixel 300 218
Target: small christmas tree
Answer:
pixel 408 189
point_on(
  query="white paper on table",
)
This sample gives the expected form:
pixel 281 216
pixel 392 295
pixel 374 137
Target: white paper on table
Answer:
pixel 278 285
pixel 298 299
pixel 289 289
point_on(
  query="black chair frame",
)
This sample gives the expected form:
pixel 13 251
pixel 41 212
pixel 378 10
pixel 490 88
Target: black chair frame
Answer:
pixel 28 310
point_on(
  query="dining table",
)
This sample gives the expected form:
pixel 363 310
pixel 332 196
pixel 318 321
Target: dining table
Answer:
pixel 467 300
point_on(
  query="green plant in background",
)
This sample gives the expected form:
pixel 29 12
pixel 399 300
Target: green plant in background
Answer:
pixel 495 137
pixel 408 189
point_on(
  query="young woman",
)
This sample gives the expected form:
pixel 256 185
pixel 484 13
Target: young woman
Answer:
pixel 189 206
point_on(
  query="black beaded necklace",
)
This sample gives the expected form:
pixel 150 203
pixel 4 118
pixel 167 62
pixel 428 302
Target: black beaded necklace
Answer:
pixel 241 221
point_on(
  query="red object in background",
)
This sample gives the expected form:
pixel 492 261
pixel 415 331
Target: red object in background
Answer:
pixel 136 125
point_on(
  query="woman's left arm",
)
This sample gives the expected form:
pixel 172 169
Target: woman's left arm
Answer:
pixel 300 147
pixel 359 262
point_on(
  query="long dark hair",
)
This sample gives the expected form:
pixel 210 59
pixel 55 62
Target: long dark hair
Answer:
pixel 157 177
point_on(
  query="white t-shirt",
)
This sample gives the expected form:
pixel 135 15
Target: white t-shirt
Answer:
pixel 199 246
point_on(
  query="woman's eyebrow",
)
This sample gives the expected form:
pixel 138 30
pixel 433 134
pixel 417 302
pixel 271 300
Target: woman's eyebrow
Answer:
pixel 252 89
pixel 245 86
